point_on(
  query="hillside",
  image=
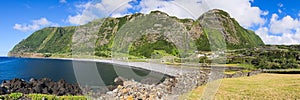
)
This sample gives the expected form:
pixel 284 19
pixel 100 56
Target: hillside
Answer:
pixel 142 35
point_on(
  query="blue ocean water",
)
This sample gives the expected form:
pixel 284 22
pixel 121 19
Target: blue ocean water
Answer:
pixel 26 68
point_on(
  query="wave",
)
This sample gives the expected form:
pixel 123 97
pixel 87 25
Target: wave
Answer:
pixel 9 61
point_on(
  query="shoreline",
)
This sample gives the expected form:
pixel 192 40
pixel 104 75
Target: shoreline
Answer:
pixel 182 82
pixel 170 70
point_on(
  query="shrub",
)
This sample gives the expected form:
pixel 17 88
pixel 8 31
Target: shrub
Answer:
pixel 2 98
pixel 53 97
pixel 42 96
pixel 15 95
pixel 72 98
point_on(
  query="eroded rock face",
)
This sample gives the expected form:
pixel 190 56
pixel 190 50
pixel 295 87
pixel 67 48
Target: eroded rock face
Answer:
pixel 43 86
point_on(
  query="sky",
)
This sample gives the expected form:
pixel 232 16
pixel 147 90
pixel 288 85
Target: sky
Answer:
pixel 275 21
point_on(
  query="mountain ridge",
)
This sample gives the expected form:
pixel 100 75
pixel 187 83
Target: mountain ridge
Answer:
pixel 147 34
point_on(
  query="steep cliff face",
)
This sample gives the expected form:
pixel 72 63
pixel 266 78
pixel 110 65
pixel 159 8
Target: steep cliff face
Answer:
pixel 142 35
pixel 219 26
pixel 47 40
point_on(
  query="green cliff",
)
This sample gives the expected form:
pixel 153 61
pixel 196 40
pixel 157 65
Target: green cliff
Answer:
pixel 142 35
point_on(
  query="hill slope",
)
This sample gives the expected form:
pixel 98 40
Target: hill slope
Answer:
pixel 142 35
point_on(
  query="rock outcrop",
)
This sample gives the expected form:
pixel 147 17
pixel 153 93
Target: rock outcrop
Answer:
pixel 42 86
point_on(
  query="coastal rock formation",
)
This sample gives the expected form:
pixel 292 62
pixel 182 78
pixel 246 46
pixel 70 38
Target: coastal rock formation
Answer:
pixel 42 86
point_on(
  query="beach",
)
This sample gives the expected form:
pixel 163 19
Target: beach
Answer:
pixel 170 70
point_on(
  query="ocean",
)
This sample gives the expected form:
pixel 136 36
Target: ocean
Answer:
pixel 69 70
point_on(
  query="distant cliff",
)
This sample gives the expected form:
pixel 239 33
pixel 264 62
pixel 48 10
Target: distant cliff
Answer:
pixel 143 34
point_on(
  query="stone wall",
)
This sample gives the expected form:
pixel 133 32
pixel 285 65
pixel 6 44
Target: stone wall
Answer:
pixel 169 89
pixel 242 74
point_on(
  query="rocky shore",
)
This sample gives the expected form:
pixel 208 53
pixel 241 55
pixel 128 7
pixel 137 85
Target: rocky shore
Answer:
pixel 171 88
pixel 40 86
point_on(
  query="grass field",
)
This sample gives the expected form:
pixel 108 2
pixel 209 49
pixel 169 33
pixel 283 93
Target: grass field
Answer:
pixel 259 87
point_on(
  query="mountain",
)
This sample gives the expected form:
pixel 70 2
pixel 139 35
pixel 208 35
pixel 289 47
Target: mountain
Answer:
pixel 219 26
pixel 142 35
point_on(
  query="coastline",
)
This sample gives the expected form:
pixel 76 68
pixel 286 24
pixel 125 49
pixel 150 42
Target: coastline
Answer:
pixel 183 80
pixel 170 70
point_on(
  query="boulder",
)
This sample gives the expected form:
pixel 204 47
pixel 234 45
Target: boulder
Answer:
pixel 3 90
pixel 44 86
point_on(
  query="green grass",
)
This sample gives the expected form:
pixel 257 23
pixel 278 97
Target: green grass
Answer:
pixel 15 95
pixel 137 60
pixel 2 97
pixel 41 96
pixel 259 87
pixel 246 66
pixel 283 71
pixel 161 47
pixel 230 72
pixel 12 96
pixel 53 97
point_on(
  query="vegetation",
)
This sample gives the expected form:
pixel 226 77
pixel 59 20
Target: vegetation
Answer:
pixel 283 71
pixel 247 38
pixel 202 43
pixel 12 96
pixel 47 40
pixel 160 47
pixel 267 57
pixel 52 97
pixel 152 29
pixel 41 96
pixel 15 96
pixel 259 87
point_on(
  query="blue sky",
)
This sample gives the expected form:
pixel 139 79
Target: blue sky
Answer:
pixel 24 12
pixel 276 21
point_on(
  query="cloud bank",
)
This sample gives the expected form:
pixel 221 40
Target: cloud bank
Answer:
pixel 246 15
pixel 35 25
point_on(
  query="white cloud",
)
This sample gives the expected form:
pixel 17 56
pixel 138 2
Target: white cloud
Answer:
pixel 180 8
pixel 286 38
pixel 246 15
pixel 242 10
pixel 90 11
pixel 280 11
pixel 35 25
pixel 285 25
pixel 63 1
pixel 265 13
pixel 280 5
pixel 281 31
